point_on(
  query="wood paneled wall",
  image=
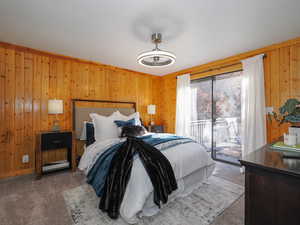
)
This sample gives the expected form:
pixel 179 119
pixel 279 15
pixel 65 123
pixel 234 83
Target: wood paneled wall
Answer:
pixel 282 80
pixel 29 78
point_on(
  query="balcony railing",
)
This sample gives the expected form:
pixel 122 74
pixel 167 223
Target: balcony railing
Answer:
pixel 226 132
pixel 201 132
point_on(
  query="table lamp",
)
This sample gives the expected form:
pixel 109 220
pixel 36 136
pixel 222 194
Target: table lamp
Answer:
pixel 151 111
pixel 55 106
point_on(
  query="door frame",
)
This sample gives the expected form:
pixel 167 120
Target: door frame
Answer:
pixel 213 120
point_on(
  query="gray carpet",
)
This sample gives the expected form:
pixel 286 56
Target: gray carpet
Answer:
pixel 199 208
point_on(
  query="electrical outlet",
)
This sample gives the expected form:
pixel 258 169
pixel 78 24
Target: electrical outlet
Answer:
pixel 25 159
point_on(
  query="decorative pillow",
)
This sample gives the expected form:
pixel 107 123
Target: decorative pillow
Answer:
pixel 133 131
pixel 122 123
pixel 90 134
pixel 104 126
pixel 83 132
pixel 135 115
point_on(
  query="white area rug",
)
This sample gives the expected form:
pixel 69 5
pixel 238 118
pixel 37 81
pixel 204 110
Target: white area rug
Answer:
pixel 199 208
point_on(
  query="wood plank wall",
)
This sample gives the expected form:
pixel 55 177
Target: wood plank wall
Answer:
pixel 282 81
pixel 28 78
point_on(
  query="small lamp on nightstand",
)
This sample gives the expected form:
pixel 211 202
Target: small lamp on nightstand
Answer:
pixel 55 106
pixel 151 111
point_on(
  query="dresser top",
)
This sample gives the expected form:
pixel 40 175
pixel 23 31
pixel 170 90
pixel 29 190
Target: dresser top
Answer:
pixel 275 160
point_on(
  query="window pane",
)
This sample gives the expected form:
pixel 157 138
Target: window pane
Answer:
pixel 216 115
pixel 227 117
pixel 201 128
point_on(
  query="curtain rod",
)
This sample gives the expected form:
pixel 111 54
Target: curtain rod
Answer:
pixel 220 67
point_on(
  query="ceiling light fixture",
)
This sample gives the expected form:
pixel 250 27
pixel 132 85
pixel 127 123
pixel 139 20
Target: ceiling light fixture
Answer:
pixel 156 57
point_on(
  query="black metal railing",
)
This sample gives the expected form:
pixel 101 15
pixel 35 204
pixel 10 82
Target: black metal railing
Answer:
pixel 201 131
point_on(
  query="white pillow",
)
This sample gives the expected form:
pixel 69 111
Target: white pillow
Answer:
pixel 105 127
pixel 135 115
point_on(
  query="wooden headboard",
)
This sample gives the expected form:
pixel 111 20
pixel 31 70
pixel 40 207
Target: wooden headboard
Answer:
pixel 83 107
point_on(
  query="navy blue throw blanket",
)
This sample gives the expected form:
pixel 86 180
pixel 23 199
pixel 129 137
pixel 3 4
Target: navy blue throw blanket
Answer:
pixel 156 165
pixel 97 175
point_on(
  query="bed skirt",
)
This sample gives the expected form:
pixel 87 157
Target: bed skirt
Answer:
pixel 185 187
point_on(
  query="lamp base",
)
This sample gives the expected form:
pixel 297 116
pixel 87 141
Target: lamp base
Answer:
pixel 56 127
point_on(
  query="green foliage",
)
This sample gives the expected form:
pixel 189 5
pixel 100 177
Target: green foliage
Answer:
pixel 289 106
pixel 288 113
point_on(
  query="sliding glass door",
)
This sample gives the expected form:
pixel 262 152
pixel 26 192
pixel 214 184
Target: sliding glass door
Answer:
pixel 227 117
pixel 216 115
pixel 201 121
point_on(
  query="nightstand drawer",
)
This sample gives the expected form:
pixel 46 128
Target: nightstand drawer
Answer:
pixel 56 140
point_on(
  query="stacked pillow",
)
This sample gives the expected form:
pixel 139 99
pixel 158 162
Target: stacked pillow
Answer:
pixel 135 116
pixel 106 127
pixel 123 123
pixel 88 133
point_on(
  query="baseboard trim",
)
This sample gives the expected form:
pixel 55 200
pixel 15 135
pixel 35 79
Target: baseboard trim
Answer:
pixel 17 173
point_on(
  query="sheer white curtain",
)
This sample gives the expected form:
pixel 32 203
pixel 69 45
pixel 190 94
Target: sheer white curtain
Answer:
pixel 253 105
pixel 183 106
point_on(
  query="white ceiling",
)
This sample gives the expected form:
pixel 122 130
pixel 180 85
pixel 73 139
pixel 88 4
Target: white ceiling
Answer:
pixel 115 31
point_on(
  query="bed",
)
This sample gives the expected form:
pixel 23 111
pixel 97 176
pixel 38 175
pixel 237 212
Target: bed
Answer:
pixel 190 162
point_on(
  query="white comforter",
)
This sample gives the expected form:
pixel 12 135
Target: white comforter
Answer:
pixel 185 159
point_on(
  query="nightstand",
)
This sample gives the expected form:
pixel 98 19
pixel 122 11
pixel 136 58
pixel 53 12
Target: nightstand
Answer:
pixel 156 129
pixel 48 141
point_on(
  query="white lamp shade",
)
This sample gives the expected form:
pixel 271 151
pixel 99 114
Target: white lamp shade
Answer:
pixel 55 106
pixel 151 109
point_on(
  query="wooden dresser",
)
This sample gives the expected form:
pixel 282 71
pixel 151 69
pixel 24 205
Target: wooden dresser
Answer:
pixel 272 188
